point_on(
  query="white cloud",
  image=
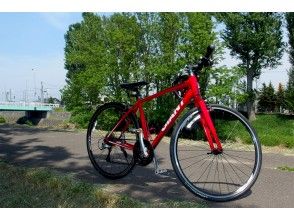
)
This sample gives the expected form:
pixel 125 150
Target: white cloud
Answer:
pixel 59 21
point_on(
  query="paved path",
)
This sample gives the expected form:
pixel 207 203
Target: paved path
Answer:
pixel 66 152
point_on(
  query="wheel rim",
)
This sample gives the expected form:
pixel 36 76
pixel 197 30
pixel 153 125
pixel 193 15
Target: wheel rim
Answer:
pixel 110 159
pixel 217 176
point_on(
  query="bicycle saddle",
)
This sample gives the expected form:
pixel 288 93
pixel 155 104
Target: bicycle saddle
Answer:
pixel 133 86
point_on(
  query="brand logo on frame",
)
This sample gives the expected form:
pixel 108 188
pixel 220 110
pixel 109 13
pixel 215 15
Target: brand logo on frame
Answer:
pixel 173 115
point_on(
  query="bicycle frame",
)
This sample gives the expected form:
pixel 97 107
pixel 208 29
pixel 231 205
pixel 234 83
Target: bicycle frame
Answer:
pixel 192 87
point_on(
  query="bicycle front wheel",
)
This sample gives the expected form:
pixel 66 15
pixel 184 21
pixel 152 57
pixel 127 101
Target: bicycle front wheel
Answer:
pixel 217 177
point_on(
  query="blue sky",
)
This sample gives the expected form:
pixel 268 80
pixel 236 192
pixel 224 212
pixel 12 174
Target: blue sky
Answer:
pixel 32 50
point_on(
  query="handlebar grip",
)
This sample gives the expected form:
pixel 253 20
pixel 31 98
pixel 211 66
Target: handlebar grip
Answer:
pixel 209 51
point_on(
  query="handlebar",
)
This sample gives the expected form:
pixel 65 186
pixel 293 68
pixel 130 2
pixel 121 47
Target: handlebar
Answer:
pixel 210 49
pixel 204 61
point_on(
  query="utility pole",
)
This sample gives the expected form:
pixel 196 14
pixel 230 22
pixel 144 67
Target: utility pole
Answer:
pixel 26 92
pixel 42 92
pixel 10 97
pixel 6 96
pixel 35 92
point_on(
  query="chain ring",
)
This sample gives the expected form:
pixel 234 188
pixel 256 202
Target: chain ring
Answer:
pixel 139 156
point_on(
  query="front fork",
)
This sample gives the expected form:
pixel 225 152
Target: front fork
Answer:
pixel 209 128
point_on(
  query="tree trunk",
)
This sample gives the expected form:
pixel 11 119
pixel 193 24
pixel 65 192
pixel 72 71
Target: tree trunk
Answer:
pixel 250 101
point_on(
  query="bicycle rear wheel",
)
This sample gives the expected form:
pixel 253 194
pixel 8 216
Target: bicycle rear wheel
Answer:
pixel 111 159
pixel 217 177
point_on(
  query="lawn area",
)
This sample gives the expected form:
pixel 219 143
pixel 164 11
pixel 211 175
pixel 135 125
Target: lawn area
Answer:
pixel 275 130
pixel 28 187
pixel 286 168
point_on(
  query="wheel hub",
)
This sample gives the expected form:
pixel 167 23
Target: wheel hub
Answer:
pixel 216 151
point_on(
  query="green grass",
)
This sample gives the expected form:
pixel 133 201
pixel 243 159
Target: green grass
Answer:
pixel 28 187
pixel 272 130
pixel 2 120
pixel 275 130
pixel 286 168
pixel 59 109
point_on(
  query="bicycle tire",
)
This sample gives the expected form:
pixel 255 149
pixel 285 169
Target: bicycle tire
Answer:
pixel 102 120
pixel 230 159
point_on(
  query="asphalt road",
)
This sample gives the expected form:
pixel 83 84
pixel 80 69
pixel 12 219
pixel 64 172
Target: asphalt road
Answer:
pixel 65 151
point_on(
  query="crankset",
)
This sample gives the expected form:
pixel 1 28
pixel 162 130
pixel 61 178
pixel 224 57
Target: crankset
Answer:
pixel 139 156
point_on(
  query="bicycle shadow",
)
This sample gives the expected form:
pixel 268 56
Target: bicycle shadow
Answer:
pixel 143 184
pixel 26 147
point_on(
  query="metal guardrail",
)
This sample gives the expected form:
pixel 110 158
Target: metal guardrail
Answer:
pixel 27 106
pixel 31 104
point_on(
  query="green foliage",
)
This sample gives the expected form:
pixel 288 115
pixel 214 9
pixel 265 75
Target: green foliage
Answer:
pixel 290 27
pixel 25 120
pixel 2 119
pixel 51 100
pixel 226 87
pixel 103 52
pixel 81 116
pixel 256 39
pixel 289 93
pixel 280 95
pixel 59 109
pixel 267 99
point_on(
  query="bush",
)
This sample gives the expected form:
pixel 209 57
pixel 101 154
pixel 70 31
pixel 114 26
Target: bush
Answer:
pixel 81 117
pixel 2 119
pixel 25 120
pixel 59 109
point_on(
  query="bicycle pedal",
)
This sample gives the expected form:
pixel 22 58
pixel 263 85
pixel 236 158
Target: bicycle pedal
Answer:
pixel 157 170
pixel 161 173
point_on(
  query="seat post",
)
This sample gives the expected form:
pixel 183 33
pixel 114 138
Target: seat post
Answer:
pixel 136 94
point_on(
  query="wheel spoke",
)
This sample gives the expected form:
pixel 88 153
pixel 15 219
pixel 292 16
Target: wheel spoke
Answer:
pixel 116 162
pixel 238 156
pixel 231 131
pixel 221 174
pixel 234 158
pixel 193 157
pixel 208 172
pixel 204 171
pixel 196 162
pixel 231 165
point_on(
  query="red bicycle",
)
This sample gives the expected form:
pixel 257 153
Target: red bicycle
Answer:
pixel 214 150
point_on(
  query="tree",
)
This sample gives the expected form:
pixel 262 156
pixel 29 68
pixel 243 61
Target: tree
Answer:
pixel 197 35
pixel 256 39
pixel 122 36
pixel 267 98
pixel 148 48
pixel 289 93
pixel 103 52
pixel 280 96
pixel 169 41
pixel 226 87
pixel 85 61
